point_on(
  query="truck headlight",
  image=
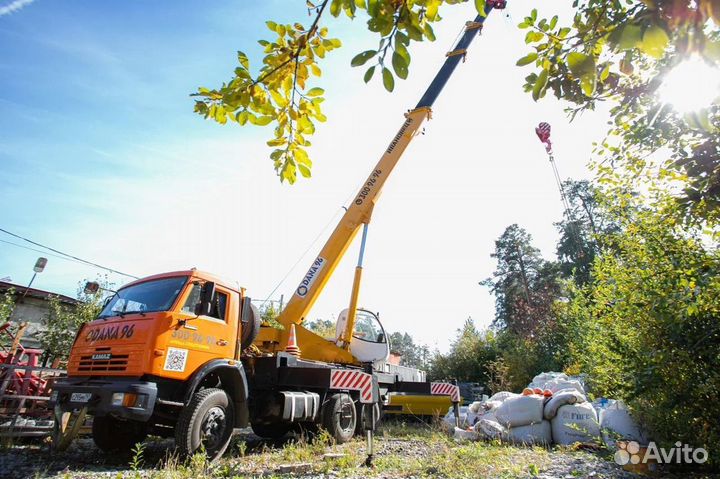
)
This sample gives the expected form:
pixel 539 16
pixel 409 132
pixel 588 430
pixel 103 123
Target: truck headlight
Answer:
pixel 118 399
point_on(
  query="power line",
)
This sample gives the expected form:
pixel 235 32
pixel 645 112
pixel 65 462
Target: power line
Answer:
pixel 68 255
pixel 40 251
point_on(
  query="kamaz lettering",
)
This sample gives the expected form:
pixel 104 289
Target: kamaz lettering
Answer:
pixel 309 279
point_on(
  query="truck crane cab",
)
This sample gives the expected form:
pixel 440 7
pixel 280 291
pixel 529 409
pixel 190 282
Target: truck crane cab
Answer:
pixel 369 342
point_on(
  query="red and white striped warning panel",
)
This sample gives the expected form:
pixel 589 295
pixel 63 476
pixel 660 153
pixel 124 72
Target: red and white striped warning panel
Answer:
pixel 445 389
pixel 353 381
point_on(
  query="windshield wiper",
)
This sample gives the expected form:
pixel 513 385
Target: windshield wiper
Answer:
pixel 123 313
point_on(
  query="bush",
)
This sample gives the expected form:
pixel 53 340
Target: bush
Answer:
pixel 646 329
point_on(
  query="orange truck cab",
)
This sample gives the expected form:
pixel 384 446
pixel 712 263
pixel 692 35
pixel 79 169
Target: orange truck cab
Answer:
pixel 156 342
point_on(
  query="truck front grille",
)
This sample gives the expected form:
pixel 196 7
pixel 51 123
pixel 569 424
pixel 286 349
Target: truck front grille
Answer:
pixel 98 362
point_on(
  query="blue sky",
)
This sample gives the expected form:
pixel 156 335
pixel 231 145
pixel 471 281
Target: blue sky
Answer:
pixel 101 156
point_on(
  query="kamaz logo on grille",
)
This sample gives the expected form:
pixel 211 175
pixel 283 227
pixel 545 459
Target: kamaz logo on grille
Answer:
pixel 101 356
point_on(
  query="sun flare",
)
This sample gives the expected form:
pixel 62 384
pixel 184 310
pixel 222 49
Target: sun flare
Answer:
pixel 691 86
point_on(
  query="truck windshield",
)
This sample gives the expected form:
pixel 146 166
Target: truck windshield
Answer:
pixel 158 295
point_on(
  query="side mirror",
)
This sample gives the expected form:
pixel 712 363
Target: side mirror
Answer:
pixel 207 295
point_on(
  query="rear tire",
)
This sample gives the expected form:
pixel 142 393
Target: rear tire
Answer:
pixel 208 421
pixel 339 417
pixel 114 435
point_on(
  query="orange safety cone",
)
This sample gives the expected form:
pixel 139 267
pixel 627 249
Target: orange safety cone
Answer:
pixel 292 347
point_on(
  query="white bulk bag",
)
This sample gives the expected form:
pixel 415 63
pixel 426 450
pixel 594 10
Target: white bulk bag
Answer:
pixel 488 427
pixel 540 433
pixel 542 379
pixel 502 396
pixel 520 411
pixel 560 384
pixel 616 423
pixel 576 423
pixel 561 398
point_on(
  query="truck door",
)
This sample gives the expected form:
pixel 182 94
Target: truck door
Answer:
pixel 209 336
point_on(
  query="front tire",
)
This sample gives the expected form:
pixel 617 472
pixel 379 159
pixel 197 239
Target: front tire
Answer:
pixel 114 435
pixel 339 417
pixel 208 422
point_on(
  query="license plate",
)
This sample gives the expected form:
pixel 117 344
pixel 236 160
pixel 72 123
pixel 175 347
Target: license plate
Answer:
pixel 80 397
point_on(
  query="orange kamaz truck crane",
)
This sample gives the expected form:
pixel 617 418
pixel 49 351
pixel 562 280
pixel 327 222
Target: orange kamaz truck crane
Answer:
pixel 185 354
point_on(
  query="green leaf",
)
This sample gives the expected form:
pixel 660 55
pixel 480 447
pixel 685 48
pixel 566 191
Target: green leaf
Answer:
pixel 335 7
pixel 280 100
pixel 388 80
pixel 480 7
pixel 362 58
pixel 588 83
pixel 527 59
pixel 553 22
pixel 654 42
pixel 630 37
pixel 429 33
pixel 369 74
pixel 580 64
pixel 317 91
pixel 263 120
pixel 277 142
pixel 402 51
pixel 304 170
pixel 533 36
pixel 399 65
pixel 605 73
pixel 431 10
pixel 583 67
pixel 540 84
pixel 220 115
pixel 272 26
pixel 243 59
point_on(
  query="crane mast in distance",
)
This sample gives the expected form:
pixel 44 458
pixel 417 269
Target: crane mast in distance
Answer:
pixel 359 212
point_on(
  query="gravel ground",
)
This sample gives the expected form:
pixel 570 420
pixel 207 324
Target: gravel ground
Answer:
pixel 84 460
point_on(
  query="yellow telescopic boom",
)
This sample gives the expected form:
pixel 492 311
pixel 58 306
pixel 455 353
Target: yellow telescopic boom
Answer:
pixel 360 210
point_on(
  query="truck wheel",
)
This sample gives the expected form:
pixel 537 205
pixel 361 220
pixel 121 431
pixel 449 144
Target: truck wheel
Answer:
pixel 114 435
pixel 208 422
pixel 339 417
pixel 274 430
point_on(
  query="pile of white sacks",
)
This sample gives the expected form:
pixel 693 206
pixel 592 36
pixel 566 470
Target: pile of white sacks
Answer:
pixel 552 409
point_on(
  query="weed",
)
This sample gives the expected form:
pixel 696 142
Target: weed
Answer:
pixel 137 458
